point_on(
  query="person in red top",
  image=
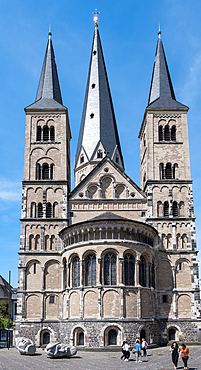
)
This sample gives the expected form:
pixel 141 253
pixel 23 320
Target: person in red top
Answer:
pixel 184 354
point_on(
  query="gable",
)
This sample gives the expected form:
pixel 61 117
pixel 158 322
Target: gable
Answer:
pixel 106 181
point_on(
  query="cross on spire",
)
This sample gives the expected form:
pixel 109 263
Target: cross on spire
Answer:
pixel 95 18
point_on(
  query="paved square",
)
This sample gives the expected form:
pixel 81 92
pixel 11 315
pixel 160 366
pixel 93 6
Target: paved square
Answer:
pixel 158 358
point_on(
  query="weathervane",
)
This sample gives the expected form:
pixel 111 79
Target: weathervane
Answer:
pixel 95 18
pixel 49 33
pixel 159 32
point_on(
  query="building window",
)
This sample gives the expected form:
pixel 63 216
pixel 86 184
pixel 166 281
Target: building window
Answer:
pixel 160 133
pixel 33 210
pixel 175 210
pixel 45 133
pixel 34 266
pixel 129 269
pixel 173 133
pixel 45 171
pixel 51 171
pixel 100 154
pixel 52 134
pixel 76 272
pixel 92 115
pixel 166 209
pixel 142 271
pixel 110 269
pixel 161 171
pixel 40 210
pixel 48 210
pixel 52 299
pixel 93 86
pixel 117 159
pixel 38 171
pixel 168 171
pixel 81 159
pixel 38 135
pixel 165 298
pixel 167 133
pixel 91 270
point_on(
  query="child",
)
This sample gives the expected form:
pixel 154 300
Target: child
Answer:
pixel 137 350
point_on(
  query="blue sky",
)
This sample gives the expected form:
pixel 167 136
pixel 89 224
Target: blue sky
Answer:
pixel 128 32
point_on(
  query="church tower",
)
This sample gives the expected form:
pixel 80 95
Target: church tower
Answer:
pixel 166 179
pixel 98 131
pixel 46 185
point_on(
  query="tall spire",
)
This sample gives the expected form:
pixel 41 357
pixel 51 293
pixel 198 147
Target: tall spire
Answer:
pixel 98 124
pixel 48 93
pixel 161 92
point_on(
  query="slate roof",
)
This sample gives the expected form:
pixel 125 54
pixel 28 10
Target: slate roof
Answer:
pixel 98 101
pixel 5 286
pixel 161 92
pixel 48 94
pixel 108 216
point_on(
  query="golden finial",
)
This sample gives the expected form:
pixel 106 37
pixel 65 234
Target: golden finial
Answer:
pixel 95 18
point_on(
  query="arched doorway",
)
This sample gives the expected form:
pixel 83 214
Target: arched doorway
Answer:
pixel 142 335
pixel 112 337
pixel 45 337
pixel 81 339
pixel 171 334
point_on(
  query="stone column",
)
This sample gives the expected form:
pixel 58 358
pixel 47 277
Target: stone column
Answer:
pixel 120 280
pixel 81 303
pixel 137 272
pixel 67 305
pixel 44 203
pixel 174 269
pixel 170 203
pixel 62 274
pixel 98 273
pixel 174 246
pixel 88 234
pixel 139 303
pixel 118 233
pixel 81 272
pixel 43 278
pixel 61 307
pixel 94 230
pixel 42 237
pixel 42 306
pixel 99 304
pixel 151 304
pixel 122 304
pixel 174 304
pixel 100 231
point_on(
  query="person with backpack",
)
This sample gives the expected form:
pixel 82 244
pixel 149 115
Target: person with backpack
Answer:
pixel 184 354
pixel 144 347
pixel 137 351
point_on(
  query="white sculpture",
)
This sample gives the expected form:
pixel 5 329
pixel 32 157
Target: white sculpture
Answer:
pixel 60 350
pixel 25 346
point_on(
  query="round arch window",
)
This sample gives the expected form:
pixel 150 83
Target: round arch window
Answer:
pixel 112 337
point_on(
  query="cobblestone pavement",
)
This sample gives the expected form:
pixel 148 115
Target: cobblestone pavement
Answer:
pixel 158 358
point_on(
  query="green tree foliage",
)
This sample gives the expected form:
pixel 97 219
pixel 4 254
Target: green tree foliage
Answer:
pixel 3 309
pixel 4 323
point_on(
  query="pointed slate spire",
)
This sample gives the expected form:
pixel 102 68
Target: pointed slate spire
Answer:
pixel 98 124
pixel 48 93
pixel 161 92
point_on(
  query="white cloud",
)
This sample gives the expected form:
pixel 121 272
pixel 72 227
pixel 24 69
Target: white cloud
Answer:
pixel 192 87
pixel 10 191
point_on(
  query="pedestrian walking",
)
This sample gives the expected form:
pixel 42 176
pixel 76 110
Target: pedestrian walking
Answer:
pixel 175 353
pixel 137 351
pixel 144 347
pixel 184 354
pixel 123 350
pixel 127 351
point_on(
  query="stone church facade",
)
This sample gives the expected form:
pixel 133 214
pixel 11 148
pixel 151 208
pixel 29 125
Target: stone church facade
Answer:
pixel 108 260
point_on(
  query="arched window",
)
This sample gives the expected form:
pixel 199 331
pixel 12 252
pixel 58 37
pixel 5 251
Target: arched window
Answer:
pixel 160 133
pixel 112 337
pixel 46 242
pixel 167 133
pixel 55 209
pixel 174 171
pixel 169 241
pixel 40 210
pixel 129 269
pixel 184 241
pixel 171 334
pixel 166 209
pixel 175 211
pixel 81 338
pixel 90 265
pixel 161 171
pixel 178 241
pixel 142 271
pixel 45 133
pixel 52 242
pixel 100 154
pixel 38 171
pixel 76 272
pixel 52 134
pixel 51 171
pixel 37 242
pixel 33 210
pixel 110 269
pixel 31 242
pixel 48 210
pixel 181 209
pixel 46 337
pixel 38 134
pixel 173 133
pixel 168 171
pixel 159 209
pixel 45 171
